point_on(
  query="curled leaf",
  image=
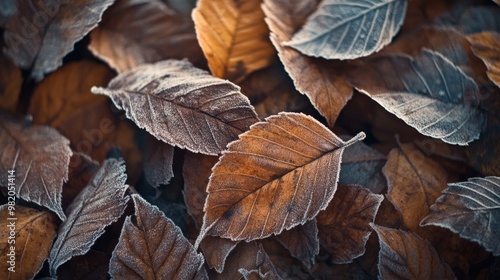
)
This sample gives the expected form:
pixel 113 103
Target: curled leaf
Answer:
pixel 471 209
pixel 486 45
pixel 273 178
pixel 182 105
pixel 153 247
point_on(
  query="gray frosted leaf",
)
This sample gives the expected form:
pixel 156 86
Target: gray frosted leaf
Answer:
pixel 98 205
pixel 345 29
pixel 429 93
pixel 158 161
pixel 182 105
pixel 153 247
pixel 39 155
pixel 470 209
pixel 41 33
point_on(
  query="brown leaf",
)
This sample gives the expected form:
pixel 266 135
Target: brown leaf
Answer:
pixel 27 235
pixel 323 85
pixel 414 182
pixel 302 241
pixel 471 209
pixel 41 33
pixel 81 170
pixel 344 227
pixel 272 178
pixel 10 83
pixel 137 32
pixel 233 36
pixel 404 255
pixel 158 161
pixel 100 204
pixel 486 45
pixel 39 157
pixel 153 247
pixel 429 93
pixel 199 112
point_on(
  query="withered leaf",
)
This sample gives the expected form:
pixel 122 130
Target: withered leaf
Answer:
pixel 471 209
pixel 404 255
pixel 414 182
pixel 429 93
pixel 153 247
pixel 10 83
pixel 323 85
pixel 158 161
pixel 33 235
pixel 39 155
pixel 344 227
pixel 182 105
pixel 100 204
pixel 135 32
pixel 302 242
pixel 41 33
pixel 486 45
pixel 342 29
pixel 233 36
pixel 273 178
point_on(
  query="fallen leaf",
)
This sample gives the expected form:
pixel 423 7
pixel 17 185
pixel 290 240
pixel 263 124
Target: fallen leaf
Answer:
pixel 414 182
pixel 324 85
pixel 371 25
pixel 344 227
pixel 41 33
pixel 472 19
pixel 287 266
pixel 302 242
pixel 470 209
pixel 362 165
pixel 486 45
pixel 153 247
pixel 81 170
pixel 404 255
pixel 10 83
pixel 100 204
pixel 30 232
pixel 199 112
pixel 39 157
pixel 233 36
pixel 429 93
pixel 158 161
pixel 134 32
pixel 271 179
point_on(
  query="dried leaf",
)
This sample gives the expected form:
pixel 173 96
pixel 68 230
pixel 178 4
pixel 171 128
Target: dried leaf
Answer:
pixel 233 36
pixel 414 182
pixel 10 83
pixel 41 33
pixel 39 155
pixel 404 255
pixel 470 209
pixel 134 32
pixel 199 112
pixel 362 165
pixel 486 45
pixel 158 161
pixel 302 242
pixel 473 19
pixel 344 227
pixel 342 29
pixel 428 93
pixel 153 247
pixel 272 178
pixel 30 233
pixel 323 85
pixel 100 204
pixel 81 170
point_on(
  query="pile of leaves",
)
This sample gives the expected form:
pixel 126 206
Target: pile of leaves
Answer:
pixel 251 139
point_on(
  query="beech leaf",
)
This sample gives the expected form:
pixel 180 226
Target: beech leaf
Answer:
pixel 41 33
pixel 153 247
pixel 302 242
pixel 39 155
pixel 34 232
pixel 404 255
pixel 98 205
pixel 344 227
pixel 470 209
pixel 486 45
pixel 182 105
pixel 233 36
pixel 272 178
pixel 429 93
pixel 343 29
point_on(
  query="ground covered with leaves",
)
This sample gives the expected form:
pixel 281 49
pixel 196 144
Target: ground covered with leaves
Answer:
pixel 250 139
